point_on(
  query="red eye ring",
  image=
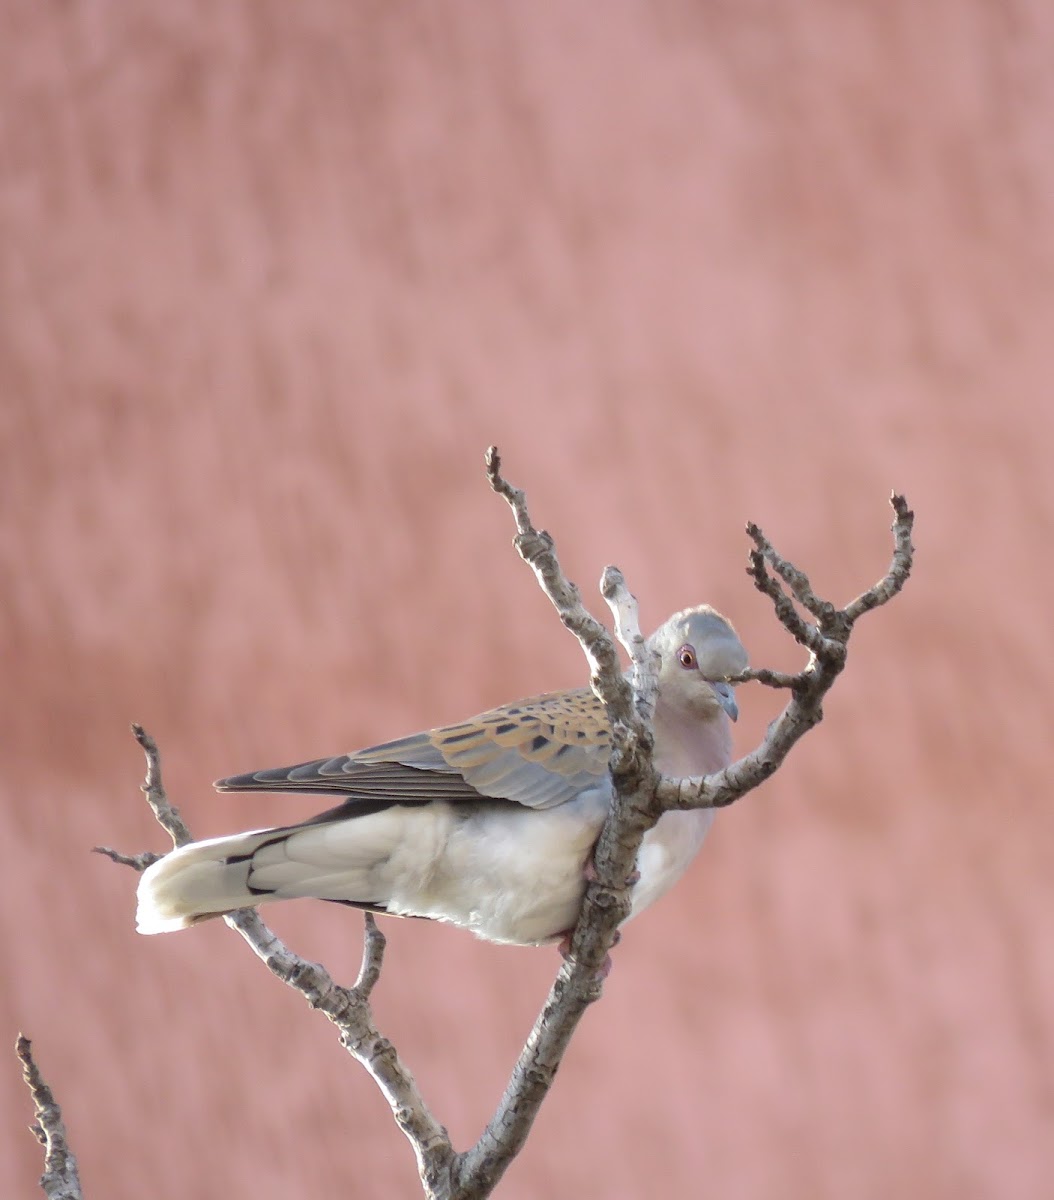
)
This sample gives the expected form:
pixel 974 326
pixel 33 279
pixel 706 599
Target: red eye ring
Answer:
pixel 686 657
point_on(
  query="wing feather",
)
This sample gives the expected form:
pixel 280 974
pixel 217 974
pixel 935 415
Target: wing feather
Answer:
pixel 538 752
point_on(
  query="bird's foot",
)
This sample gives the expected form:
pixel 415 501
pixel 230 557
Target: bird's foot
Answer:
pixel 589 873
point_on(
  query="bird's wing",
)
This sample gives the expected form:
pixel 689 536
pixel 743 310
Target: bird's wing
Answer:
pixel 538 752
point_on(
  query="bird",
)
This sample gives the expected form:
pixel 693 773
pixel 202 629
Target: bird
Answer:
pixel 489 824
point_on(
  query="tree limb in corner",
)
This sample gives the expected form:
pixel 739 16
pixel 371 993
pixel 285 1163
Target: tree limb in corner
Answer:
pixel 60 1180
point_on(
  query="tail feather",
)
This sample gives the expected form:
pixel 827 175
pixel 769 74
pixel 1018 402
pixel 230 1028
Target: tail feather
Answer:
pixel 202 880
pixel 336 860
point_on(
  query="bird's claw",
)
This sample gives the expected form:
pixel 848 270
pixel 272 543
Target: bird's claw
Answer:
pixel 564 946
pixel 589 872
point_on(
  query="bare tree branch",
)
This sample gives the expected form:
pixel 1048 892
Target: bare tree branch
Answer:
pixel 899 569
pixel 772 679
pixel 644 671
pixel 640 798
pixel 795 579
pixel 795 624
pixel 607 899
pixel 60 1180
pixel 536 548
pixel 829 643
pixel 138 862
pixel 347 1008
pixel 153 789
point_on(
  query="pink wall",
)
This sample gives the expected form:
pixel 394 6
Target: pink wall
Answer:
pixel 271 278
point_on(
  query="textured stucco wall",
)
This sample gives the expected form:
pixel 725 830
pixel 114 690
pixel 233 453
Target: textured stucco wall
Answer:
pixel 271 278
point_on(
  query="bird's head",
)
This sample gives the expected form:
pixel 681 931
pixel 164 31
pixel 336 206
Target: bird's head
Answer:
pixel 696 648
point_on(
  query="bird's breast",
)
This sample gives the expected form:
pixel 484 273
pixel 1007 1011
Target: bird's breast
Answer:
pixel 666 851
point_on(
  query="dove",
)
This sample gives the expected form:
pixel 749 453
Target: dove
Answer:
pixel 489 824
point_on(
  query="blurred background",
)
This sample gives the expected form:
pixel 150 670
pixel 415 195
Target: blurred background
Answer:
pixel 272 277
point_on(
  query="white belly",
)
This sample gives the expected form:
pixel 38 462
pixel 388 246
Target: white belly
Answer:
pixel 511 874
pixel 517 875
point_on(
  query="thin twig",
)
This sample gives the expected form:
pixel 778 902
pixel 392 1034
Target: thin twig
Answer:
pixel 167 815
pixel 792 576
pixel 772 679
pixel 607 899
pixel 805 709
pixel 347 1008
pixel 374 944
pixel 899 569
pixel 641 796
pixel 60 1180
pixel 138 862
pixel 644 670
pixel 537 549
pixel 787 614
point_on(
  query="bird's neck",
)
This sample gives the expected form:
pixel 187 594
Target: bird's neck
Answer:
pixel 684 745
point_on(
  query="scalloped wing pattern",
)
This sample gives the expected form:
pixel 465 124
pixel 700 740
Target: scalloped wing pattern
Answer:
pixel 539 752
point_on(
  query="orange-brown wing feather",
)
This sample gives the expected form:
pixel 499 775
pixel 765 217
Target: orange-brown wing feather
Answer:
pixel 538 752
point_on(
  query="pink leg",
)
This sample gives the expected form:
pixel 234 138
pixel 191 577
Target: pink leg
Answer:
pixel 564 946
pixel 589 872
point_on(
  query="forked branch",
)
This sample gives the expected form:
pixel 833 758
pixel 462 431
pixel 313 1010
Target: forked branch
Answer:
pixel 348 1008
pixel 827 638
pixel 641 796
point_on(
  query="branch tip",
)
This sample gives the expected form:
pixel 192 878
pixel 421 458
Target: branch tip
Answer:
pixel 347 1008
pixel 138 862
pixel 60 1179
pixel 827 642
pixel 373 947
pixel 899 568
pixel 498 482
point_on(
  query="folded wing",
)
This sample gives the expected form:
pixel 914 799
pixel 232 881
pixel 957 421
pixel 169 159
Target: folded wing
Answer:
pixel 538 752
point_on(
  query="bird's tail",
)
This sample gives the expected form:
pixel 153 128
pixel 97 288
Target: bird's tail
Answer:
pixel 325 860
pixel 202 880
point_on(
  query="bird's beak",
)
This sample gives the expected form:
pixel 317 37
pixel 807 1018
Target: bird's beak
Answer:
pixel 726 697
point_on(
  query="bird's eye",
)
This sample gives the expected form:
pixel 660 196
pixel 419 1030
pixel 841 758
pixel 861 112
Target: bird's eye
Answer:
pixel 686 657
